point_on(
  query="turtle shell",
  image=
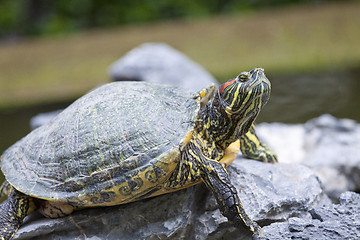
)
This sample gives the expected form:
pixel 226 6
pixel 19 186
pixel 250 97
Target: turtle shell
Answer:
pixel 125 134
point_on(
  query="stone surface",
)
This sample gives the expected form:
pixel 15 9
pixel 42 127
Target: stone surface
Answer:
pixel 327 145
pixel 276 191
pixel 333 152
pixel 42 118
pixel 269 192
pixel 331 221
pixel 160 63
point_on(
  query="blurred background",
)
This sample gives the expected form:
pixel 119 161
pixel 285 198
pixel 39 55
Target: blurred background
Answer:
pixel 52 52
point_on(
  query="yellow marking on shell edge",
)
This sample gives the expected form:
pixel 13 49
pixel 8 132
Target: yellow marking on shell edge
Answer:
pixel 230 153
pixel 166 163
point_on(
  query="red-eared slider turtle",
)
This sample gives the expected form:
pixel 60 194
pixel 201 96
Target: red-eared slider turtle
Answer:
pixel 127 141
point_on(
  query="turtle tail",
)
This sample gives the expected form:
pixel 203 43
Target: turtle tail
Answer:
pixel 12 212
pixel 217 180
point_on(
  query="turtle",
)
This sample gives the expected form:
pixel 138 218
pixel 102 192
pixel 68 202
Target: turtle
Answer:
pixel 127 141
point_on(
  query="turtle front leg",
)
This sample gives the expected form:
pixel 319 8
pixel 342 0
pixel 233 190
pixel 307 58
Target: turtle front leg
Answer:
pixel 253 148
pixel 217 180
pixel 12 213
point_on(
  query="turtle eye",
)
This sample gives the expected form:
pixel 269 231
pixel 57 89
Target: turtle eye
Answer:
pixel 243 77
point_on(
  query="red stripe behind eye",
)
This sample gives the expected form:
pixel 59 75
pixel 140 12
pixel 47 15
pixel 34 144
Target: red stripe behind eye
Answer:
pixel 224 85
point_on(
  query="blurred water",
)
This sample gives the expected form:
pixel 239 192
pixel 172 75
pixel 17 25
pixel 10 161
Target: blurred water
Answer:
pixel 298 98
pixel 294 99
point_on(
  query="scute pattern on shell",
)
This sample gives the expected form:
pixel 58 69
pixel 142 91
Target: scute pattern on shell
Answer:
pixel 104 138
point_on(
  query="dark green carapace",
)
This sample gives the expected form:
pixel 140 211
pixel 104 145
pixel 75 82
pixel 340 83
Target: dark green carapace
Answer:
pixel 127 141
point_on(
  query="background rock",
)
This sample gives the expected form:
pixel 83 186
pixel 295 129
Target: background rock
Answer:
pixel 160 63
pixel 333 152
pixel 327 145
pixel 42 118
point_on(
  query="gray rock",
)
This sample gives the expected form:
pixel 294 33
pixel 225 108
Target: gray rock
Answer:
pixel 42 118
pixel 160 63
pixel 287 140
pixel 329 146
pixel 268 192
pixel 331 221
pixel 278 191
pixel 333 152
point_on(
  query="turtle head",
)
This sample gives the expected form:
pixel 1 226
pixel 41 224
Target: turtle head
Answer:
pixel 235 106
pixel 244 96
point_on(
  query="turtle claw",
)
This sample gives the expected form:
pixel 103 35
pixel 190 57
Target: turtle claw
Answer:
pixel 253 148
pixel 266 155
pixel 262 153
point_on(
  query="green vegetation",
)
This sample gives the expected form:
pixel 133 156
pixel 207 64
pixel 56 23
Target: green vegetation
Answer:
pixel 43 17
pixel 295 39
